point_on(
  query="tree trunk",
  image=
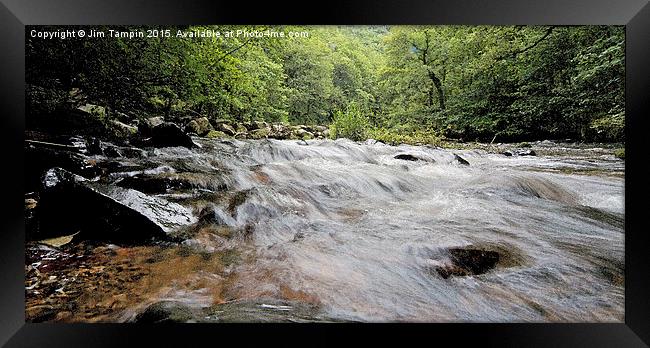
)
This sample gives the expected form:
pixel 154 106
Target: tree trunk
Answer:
pixel 438 84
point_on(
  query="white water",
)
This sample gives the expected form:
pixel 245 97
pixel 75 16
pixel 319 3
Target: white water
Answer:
pixel 360 231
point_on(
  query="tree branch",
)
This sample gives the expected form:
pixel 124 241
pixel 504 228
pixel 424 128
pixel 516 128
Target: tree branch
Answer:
pixel 515 53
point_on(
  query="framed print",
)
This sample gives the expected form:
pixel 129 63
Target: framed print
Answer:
pixel 383 171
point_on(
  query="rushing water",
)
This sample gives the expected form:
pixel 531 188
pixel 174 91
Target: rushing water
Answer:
pixel 351 229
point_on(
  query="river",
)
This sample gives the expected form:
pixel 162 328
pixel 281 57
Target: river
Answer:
pixel 355 234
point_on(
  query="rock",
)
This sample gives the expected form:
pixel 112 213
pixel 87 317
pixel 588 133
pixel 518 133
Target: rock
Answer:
pixel 96 111
pixel 461 160
pixel 320 128
pixel 468 262
pixel 216 134
pixel 153 122
pixel 112 151
pixel 200 126
pixel 240 128
pixel 326 133
pixel 39 159
pixel 71 203
pixel 261 133
pixel 226 128
pixel 121 130
pixel 507 153
pixel 94 146
pixel 168 135
pixel 260 124
pixel 166 312
pixel 407 157
pixel 526 153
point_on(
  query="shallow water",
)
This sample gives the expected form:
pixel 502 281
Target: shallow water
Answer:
pixel 358 234
pixel 357 231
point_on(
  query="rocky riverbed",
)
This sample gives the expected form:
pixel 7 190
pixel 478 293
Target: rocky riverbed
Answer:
pixel 178 227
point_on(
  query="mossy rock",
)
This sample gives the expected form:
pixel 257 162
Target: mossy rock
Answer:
pixel 259 133
pixel 620 153
pixel 213 134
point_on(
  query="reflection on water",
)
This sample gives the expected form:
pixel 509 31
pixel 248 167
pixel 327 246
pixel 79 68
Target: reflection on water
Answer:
pixel 351 230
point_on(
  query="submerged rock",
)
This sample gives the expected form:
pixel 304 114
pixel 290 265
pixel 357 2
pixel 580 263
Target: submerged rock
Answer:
pixel 166 312
pixel 526 153
pixel 70 203
pixel 409 157
pixel 466 262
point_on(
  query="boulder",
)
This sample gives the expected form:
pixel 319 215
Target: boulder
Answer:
pixel 96 111
pixel 168 135
pixel 407 157
pixel 200 126
pixel 166 312
pixel 261 133
pixel 461 160
pixel 153 122
pixel 71 203
pixel 216 135
pixel 526 153
pixel 303 134
pixel 39 159
pixel 466 262
pixel 240 128
pixel 226 128
pixel 121 130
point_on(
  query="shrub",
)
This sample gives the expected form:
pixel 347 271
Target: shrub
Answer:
pixel 351 124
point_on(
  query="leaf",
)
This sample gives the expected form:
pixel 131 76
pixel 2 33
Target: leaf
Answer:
pixel 59 241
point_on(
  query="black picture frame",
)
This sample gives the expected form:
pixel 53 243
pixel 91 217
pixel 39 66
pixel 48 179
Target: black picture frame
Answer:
pixel 16 14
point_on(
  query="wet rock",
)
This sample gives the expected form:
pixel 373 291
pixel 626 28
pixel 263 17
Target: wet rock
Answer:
pixel 526 153
pixel 461 160
pixel 507 153
pixel 40 159
pixel 166 312
pixel 94 146
pixel 112 151
pixel 466 262
pixel 201 126
pixel 407 157
pixel 168 135
pixel 70 203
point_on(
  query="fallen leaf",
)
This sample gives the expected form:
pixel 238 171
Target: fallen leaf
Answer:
pixel 59 241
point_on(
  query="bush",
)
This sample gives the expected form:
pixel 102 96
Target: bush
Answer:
pixel 351 124
pixel 396 137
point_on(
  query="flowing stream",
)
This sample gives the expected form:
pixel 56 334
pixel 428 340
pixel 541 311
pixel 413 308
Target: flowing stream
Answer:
pixel 348 227
pixel 343 231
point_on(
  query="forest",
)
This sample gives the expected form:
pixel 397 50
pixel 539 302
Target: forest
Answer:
pixel 467 83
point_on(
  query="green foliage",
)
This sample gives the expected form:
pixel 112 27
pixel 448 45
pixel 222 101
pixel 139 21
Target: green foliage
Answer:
pixel 351 123
pixel 397 83
pixel 620 153
pixel 396 137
